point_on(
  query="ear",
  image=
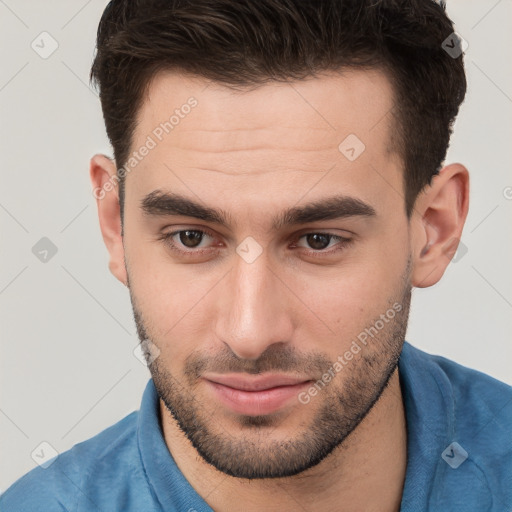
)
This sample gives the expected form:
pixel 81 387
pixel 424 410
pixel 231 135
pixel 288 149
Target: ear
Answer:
pixel 439 215
pixel 105 189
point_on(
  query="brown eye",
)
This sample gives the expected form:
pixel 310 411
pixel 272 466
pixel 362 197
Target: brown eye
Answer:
pixel 318 241
pixel 189 242
pixel 321 241
pixel 191 238
pixel 322 245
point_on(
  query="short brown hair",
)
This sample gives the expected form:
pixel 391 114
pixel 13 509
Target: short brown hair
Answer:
pixel 243 43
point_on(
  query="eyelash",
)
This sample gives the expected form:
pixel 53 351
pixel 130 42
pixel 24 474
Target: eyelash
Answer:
pixel 167 239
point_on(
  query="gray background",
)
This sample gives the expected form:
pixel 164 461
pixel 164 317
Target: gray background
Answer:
pixel 67 368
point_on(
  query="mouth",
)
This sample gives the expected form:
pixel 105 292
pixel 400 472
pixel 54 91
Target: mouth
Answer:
pixel 255 395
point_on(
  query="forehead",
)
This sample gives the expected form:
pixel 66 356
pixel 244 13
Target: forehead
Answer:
pixel 276 138
pixel 352 101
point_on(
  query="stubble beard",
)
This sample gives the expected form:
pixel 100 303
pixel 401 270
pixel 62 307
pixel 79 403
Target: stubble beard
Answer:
pixel 249 451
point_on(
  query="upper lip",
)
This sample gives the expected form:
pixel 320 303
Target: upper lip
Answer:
pixel 255 382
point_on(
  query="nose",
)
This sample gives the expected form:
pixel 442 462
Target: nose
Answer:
pixel 253 311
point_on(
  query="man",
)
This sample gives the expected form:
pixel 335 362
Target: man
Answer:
pixel 277 192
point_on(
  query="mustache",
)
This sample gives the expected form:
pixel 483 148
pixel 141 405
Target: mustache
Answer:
pixel 276 358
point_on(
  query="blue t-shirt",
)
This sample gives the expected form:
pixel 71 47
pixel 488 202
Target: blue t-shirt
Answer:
pixel 459 453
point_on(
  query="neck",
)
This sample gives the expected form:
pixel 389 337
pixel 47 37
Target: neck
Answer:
pixel 366 472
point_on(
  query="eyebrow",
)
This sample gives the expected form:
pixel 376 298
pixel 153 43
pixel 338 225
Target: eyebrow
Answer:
pixel 159 203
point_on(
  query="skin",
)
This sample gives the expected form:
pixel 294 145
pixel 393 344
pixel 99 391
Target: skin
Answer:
pixel 254 154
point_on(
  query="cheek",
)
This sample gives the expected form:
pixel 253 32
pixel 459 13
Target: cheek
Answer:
pixel 349 299
pixel 173 301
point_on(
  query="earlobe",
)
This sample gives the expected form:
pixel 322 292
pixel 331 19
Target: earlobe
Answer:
pixel 437 223
pixel 104 182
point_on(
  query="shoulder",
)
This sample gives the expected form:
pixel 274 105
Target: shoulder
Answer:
pixel 482 414
pixel 476 413
pixel 469 390
pixel 66 481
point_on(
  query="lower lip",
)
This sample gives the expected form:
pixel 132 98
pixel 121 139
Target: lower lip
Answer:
pixel 256 403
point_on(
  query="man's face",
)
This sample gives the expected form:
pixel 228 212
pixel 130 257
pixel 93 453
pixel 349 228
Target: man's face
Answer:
pixel 264 294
